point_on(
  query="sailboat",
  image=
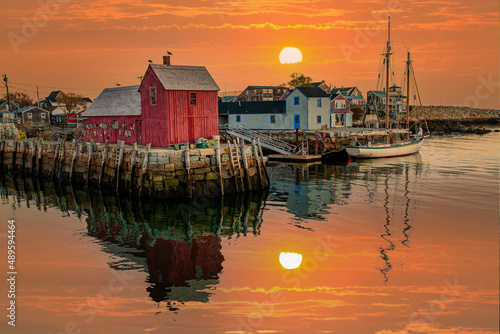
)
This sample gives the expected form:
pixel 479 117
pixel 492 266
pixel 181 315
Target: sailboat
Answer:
pixel 391 142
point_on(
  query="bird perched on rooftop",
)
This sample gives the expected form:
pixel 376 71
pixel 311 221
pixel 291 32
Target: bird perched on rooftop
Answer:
pixel 169 53
pixel 150 61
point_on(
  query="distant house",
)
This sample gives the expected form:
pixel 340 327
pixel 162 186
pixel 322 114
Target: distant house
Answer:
pixel 7 114
pixel 115 115
pixel 353 94
pixel 308 108
pixel 33 116
pixel 262 93
pixel 54 100
pixel 179 104
pixel 263 115
pixel 397 101
pixel 4 106
pixel 322 85
pixel 58 116
pixel 341 112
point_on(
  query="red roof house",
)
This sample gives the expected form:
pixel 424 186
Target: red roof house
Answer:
pixel 179 104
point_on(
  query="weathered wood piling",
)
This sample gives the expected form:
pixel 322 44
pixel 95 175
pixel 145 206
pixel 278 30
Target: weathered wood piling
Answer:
pixel 145 171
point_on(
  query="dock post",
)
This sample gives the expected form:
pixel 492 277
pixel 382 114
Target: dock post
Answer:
pixel 103 163
pixel 39 158
pixel 132 167
pixel 62 153
pixel 263 163
pixel 236 142
pixel 90 149
pixel 2 149
pixel 145 163
pixel 56 155
pixel 23 152
pixel 119 159
pixel 316 144
pixel 257 162
pixel 233 165
pixel 75 153
pixel 188 170
pixel 218 160
pixel 245 165
pixel 33 156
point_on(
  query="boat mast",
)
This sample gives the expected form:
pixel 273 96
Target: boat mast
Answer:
pixel 387 61
pixel 408 65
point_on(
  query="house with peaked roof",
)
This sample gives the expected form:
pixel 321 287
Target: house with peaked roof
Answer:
pixel 262 93
pixel 179 104
pixel 172 105
pixel 322 85
pixel 11 106
pixel 353 94
pixel 341 112
pixel 32 116
pixel 262 115
pixel 53 100
pixel 7 109
pixel 308 108
pixel 115 115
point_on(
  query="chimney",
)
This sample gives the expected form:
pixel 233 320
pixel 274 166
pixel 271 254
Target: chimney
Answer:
pixel 166 60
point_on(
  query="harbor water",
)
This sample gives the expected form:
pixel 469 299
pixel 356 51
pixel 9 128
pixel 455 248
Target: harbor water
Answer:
pixel 388 246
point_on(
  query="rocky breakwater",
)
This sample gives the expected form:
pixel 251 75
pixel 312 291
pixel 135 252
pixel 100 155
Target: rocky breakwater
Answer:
pixel 453 119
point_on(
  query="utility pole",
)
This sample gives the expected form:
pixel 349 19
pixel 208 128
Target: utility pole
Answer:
pixel 37 97
pixel 5 79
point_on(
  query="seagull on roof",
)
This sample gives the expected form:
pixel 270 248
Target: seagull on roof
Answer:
pixel 150 61
pixel 169 53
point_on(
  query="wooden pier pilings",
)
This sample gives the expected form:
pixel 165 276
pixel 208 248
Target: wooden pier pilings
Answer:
pixel 145 171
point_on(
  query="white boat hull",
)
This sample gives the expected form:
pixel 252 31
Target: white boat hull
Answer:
pixel 385 151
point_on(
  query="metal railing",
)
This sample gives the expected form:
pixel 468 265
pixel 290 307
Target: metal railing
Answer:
pixel 265 140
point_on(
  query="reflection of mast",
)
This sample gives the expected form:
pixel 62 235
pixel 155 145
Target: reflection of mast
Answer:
pixel 407 216
pixel 384 251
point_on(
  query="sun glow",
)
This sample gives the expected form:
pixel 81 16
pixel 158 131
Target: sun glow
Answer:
pixel 290 55
pixel 290 260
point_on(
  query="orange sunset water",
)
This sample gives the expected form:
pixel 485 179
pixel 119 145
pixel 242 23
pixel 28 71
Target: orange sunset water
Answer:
pixel 84 46
pixel 388 246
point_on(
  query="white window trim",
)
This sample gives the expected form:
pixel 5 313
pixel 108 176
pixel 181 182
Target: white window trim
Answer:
pixel 151 89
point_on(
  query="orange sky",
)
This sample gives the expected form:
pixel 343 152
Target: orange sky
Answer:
pixel 84 46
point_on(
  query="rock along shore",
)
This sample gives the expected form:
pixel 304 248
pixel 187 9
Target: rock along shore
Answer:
pixel 449 119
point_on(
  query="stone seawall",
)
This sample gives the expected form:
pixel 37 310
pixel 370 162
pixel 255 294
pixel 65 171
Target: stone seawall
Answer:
pixel 453 113
pixel 158 173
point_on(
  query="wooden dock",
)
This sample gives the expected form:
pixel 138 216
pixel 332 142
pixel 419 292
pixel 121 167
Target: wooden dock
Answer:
pixel 294 158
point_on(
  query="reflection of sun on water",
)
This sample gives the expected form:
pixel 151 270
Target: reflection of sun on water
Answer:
pixel 290 55
pixel 290 260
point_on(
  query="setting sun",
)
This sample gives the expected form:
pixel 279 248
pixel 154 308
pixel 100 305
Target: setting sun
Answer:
pixel 290 55
pixel 290 260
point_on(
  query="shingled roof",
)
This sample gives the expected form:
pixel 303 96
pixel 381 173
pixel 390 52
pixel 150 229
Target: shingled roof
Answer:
pixel 174 77
pixel 256 107
pixel 313 92
pixel 117 101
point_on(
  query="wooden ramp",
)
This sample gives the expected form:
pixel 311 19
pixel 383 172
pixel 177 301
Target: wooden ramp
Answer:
pixel 294 158
pixel 266 141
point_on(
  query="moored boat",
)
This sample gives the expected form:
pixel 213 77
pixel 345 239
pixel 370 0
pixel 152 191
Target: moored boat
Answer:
pixel 389 142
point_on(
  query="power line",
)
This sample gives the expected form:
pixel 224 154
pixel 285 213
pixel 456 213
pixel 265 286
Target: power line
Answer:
pixel 59 88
